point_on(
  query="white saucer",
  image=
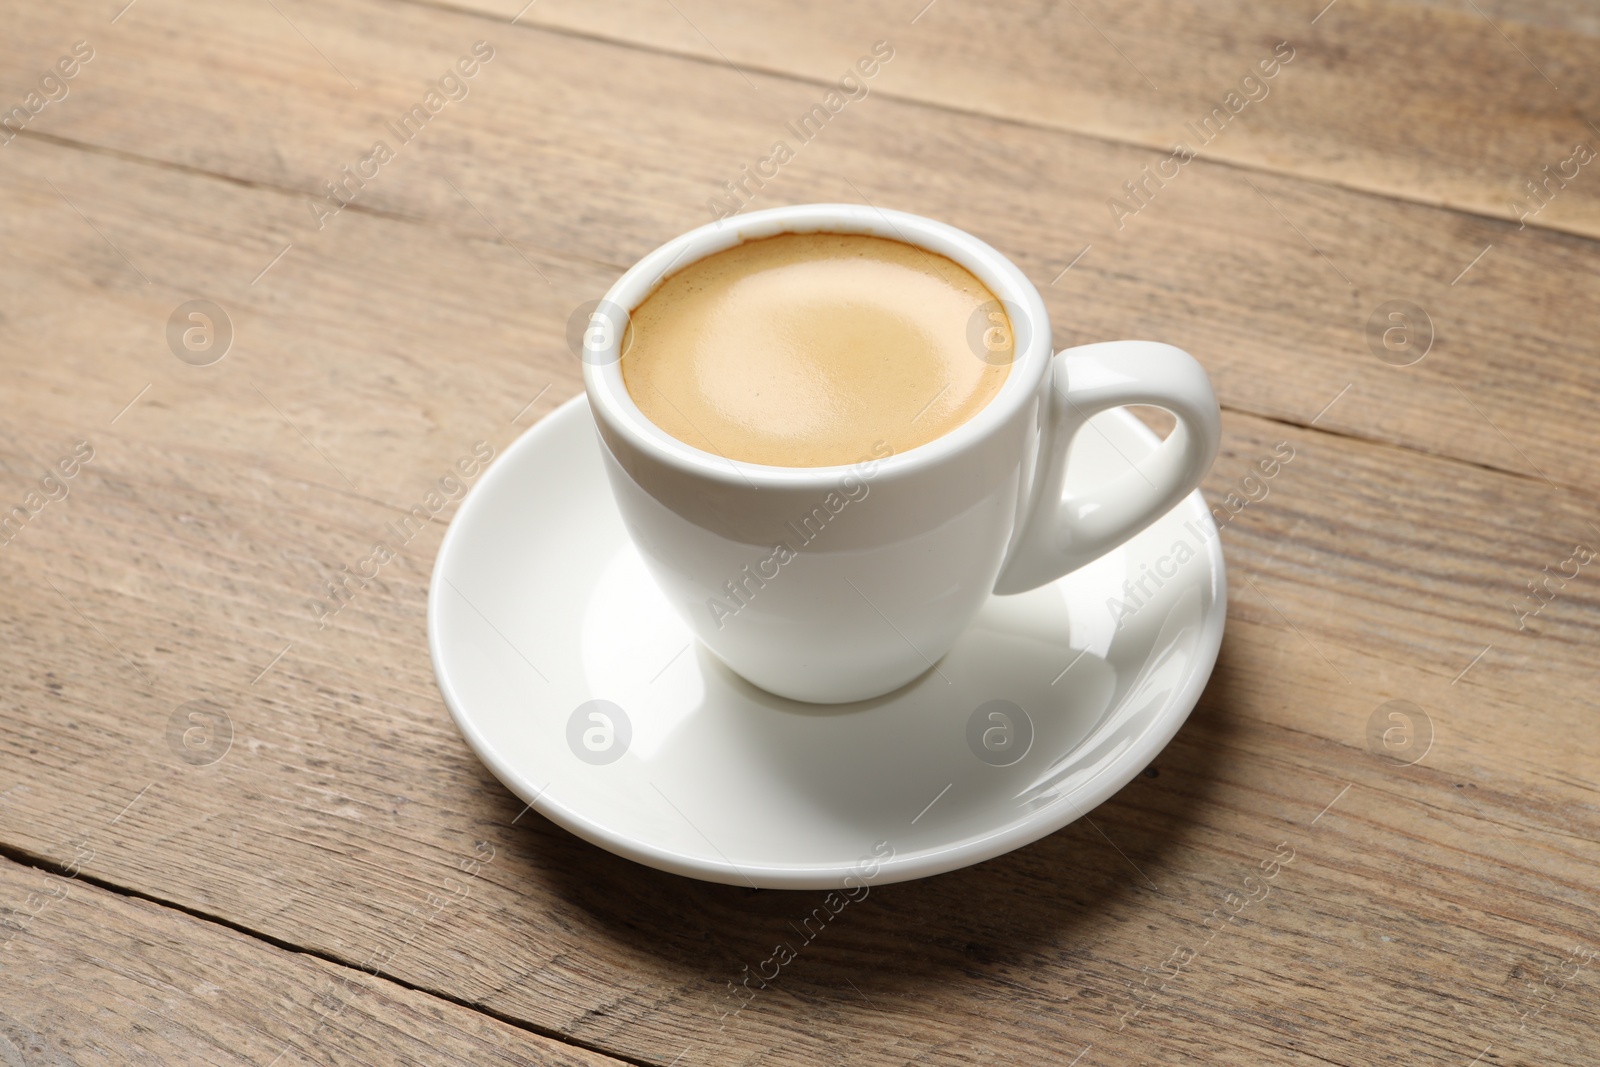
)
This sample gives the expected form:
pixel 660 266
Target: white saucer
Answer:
pixel 540 608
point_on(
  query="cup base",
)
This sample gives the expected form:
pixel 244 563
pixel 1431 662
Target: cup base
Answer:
pixel 826 693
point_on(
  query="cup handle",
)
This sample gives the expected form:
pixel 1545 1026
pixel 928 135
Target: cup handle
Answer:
pixel 1061 533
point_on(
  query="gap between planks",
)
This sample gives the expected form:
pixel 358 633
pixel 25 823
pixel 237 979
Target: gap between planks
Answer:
pixel 1008 120
pixel 24 858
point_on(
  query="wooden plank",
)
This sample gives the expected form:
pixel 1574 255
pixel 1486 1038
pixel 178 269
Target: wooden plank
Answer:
pixel 90 976
pixel 189 549
pixel 1441 104
pixel 1282 287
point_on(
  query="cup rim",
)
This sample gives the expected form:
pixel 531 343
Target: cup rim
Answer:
pixel 612 403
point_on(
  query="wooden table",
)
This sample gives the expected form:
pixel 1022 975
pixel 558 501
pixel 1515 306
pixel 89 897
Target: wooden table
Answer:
pixel 238 827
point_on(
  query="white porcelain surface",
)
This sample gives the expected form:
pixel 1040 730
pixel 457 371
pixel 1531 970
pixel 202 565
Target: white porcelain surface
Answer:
pixel 540 603
pixel 909 547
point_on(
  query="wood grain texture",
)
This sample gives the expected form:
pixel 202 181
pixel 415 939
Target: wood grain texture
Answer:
pixel 194 541
pixel 1449 104
pixel 91 976
pixel 1279 285
pixel 1430 911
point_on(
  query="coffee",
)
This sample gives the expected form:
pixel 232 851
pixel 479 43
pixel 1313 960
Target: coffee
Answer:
pixel 806 350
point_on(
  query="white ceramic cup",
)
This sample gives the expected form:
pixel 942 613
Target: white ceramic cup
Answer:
pixel 835 584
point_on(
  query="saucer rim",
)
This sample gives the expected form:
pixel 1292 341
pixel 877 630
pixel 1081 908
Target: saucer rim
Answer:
pixel 1067 808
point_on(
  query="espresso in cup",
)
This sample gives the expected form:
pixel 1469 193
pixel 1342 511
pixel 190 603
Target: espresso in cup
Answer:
pixel 808 349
